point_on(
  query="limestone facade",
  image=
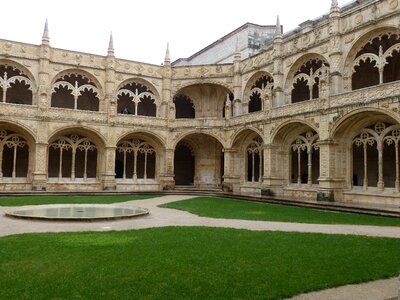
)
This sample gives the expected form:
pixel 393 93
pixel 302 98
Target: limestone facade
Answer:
pixel 315 115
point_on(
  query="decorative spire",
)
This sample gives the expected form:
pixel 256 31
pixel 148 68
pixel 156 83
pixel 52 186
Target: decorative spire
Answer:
pixel 334 6
pixel 110 50
pixel 278 29
pixel 167 58
pixel 45 37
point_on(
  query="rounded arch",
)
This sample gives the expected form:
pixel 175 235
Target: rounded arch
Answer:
pixel 198 159
pixel 141 81
pixel 86 131
pixel 298 63
pixel 22 129
pixel 23 69
pixel 193 132
pixel 244 132
pixel 293 127
pixel 208 100
pixel 177 89
pixel 86 74
pixel 358 118
pixel 251 82
pixel 359 43
pixel 145 134
pixel 139 155
pixel 17 157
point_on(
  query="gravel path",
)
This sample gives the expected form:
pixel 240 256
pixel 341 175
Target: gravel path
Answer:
pixel 160 217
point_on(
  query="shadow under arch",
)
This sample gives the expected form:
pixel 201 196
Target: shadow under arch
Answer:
pixel 91 77
pixel 94 135
pixel 359 43
pixel 22 129
pixel 367 161
pixel 198 160
pixel 141 81
pixel 18 157
pixel 292 127
pixel 26 71
pixel 252 80
pixel 361 117
pixel 208 99
pixel 243 133
pixel 288 80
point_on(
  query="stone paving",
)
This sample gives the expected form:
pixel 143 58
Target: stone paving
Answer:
pixel 160 217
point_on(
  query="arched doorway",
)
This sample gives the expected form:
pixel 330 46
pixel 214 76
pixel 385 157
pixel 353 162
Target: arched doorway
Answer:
pixel 198 161
pixel 184 164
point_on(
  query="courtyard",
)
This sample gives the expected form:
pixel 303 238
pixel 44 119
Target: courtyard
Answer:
pixel 175 254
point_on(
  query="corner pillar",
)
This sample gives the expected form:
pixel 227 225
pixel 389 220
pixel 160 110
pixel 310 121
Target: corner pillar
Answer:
pixel 231 181
pixel 329 185
pixel 167 180
pixel 108 178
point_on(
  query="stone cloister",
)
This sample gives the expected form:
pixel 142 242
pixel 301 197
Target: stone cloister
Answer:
pixel 314 115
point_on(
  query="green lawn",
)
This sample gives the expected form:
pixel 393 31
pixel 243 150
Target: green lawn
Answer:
pixel 66 199
pixel 188 263
pixel 237 209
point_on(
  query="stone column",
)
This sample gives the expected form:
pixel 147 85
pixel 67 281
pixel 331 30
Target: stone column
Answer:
pixel 110 102
pixel 167 108
pixel 39 175
pixel 328 183
pixel 231 180
pixel 237 83
pixel 335 52
pixel 271 176
pixel 167 180
pixel 108 177
pixel 278 95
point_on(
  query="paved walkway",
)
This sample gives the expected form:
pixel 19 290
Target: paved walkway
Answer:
pixel 160 217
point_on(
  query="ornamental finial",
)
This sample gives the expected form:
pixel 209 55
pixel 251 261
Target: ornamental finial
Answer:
pixel 110 50
pixel 45 37
pixel 278 28
pixel 167 58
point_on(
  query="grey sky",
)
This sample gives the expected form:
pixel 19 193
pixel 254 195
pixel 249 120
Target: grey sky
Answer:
pixel 141 29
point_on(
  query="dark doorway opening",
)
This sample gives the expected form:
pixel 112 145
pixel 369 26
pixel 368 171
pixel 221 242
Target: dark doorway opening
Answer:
pixel 184 165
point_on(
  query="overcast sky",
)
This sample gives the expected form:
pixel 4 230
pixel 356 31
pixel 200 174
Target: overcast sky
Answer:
pixel 141 29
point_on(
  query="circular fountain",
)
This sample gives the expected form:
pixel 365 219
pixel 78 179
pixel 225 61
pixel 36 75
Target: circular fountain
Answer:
pixel 79 212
